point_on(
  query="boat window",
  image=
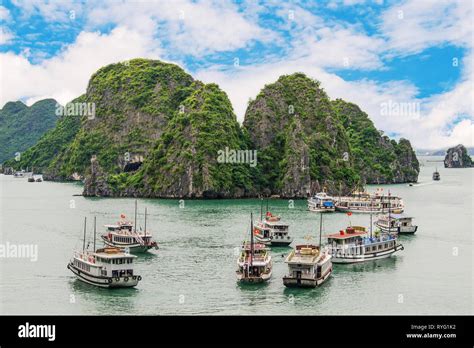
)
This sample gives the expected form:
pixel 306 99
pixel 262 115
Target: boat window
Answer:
pixel 380 246
pixel 367 249
pixel 385 245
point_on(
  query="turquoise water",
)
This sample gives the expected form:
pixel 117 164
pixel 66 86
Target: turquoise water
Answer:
pixel 194 270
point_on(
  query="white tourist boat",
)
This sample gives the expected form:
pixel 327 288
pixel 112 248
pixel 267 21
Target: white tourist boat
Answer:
pixel 396 223
pixel 354 245
pixel 271 231
pixel 308 265
pixel 363 202
pixel 254 264
pixel 106 267
pixel 124 234
pixel 321 202
pixel 23 174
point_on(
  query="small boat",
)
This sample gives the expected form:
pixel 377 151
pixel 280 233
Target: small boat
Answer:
pixel 254 264
pixel 396 223
pixel 124 234
pixel 271 231
pixel 31 179
pixel 436 175
pixel 354 245
pixel 39 179
pixel 321 202
pixel 106 267
pixel 22 174
pixel 308 265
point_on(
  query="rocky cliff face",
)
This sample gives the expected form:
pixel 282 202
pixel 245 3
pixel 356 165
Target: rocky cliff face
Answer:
pixel 302 145
pixel 458 157
pixel 377 158
pixel 185 161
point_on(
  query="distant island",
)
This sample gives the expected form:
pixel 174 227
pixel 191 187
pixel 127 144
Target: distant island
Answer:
pixel 458 157
pixel 440 152
pixel 145 128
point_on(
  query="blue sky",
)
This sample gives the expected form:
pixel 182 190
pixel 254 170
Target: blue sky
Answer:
pixel 367 52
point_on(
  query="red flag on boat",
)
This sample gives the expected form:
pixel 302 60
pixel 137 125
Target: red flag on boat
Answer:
pixel 349 213
pixel 122 216
pixel 269 214
pixel 255 231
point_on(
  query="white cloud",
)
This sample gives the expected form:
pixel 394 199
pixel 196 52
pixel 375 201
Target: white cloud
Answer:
pixel 190 27
pixel 66 75
pixel 415 25
pixel 4 14
pixel 5 36
pixel 50 10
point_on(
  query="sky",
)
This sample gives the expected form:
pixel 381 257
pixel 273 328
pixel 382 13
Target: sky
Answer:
pixel 407 64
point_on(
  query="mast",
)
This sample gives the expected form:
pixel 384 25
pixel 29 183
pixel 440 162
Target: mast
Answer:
pixel 371 218
pixel 251 239
pixel 261 209
pixel 320 229
pixel 389 212
pixel 145 222
pixel 84 240
pixel 95 230
pixel 135 224
pixel 267 207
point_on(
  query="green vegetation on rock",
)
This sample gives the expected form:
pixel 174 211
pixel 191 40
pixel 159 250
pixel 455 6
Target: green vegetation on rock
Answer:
pixel 377 158
pixel 22 126
pixel 159 133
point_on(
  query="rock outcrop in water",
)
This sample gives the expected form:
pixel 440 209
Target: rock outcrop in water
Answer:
pixel 458 157
pixel 157 132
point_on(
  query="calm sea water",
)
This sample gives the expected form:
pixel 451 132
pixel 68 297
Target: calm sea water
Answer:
pixel 193 272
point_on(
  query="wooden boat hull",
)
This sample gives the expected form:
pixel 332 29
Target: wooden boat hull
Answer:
pixel 346 258
pixel 321 210
pixel 253 280
pixel 134 248
pixel 104 282
pixel 293 282
pixel 274 242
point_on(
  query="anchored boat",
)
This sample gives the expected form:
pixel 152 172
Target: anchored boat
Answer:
pixel 321 202
pixel 363 202
pixel 124 234
pixel 354 245
pixel 436 175
pixel 308 265
pixel 396 223
pixel 23 174
pixel 254 264
pixel 106 267
pixel 271 231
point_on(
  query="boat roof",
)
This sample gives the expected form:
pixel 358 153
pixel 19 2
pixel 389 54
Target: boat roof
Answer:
pixel 301 254
pixel 397 216
pixel 344 234
pixel 275 223
pixel 112 253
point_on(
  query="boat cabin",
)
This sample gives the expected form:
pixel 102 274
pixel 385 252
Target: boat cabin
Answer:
pixel 350 236
pixel 114 262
